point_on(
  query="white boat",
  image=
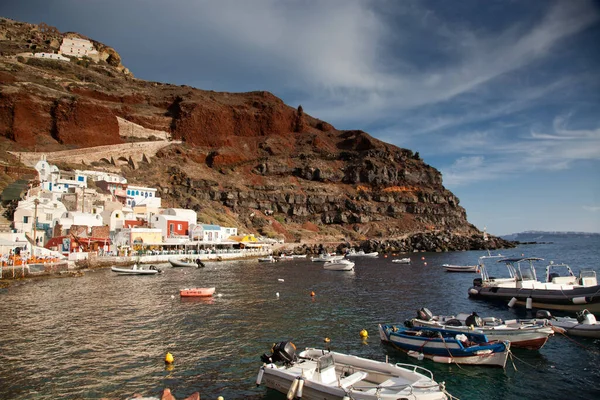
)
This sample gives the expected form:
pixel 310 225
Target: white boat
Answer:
pixel 326 257
pixel 461 268
pixel 521 333
pixel 521 287
pixel 401 260
pixel 197 263
pixel 285 257
pixel 268 259
pixel 316 374
pixel 584 325
pixel 299 255
pixel 135 270
pixel 361 253
pixel 339 265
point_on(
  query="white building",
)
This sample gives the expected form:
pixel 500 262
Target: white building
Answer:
pixel 51 56
pixel 212 233
pixel 189 215
pixel 74 46
pixel 171 226
pixel 116 218
pixel 70 218
pixel 54 180
pixel 46 211
pixel 45 170
pixel 140 195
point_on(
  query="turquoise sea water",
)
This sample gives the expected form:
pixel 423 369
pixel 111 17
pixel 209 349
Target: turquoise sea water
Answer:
pixel 103 335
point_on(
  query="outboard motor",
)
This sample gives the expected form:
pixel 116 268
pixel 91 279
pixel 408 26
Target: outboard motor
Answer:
pixel 424 314
pixel 474 320
pixel 477 282
pixel 586 317
pixel 543 314
pixel 282 351
pixel 199 263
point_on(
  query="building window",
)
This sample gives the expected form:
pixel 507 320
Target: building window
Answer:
pixel 80 178
pixel 137 192
pixel 48 217
pixel 25 219
pixel 178 227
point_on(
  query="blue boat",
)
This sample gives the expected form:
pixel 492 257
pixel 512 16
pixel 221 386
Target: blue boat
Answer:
pixel 446 345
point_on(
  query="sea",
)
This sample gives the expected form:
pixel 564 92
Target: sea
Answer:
pixel 103 335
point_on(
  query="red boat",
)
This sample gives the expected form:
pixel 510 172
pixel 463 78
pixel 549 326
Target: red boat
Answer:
pixel 197 292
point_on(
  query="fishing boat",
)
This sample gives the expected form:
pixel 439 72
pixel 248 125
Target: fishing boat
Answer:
pixel 445 345
pixel 521 287
pixel 361 253
pixel 327 375
pixel 285 257
pixel 339 265
pixel 136 270
pixel 526 334
pixel 584 325
pixel 197 292
pixel 187 262
pixel 268 259
pixel 299 255
pixel 461 268
pixel 401 260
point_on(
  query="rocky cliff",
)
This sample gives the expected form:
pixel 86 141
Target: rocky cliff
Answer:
pixel 246 158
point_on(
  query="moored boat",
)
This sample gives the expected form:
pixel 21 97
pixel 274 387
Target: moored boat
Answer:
pixel 361 253
pixel 197 263
pixel 405 260
pixel 268 259
pixel 521 333
pixel 584 325
pixel 461 268
pixel 135 270
pixel 326 257
pixel 197 292
pixel 339 265
pixel 521 287
pixel 327 375
pixel 445 345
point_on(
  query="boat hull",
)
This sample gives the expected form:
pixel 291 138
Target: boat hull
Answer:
pixel 197 292
pixel 460 268
pixel 526 337
pixel 576 299
pixel 574 328
pixel 182 264
pixel 448 349
pixel 129 271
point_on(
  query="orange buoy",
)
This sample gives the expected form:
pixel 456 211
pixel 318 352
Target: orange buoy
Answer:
pixel 312 294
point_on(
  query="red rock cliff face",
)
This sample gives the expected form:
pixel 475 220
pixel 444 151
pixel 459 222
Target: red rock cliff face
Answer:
pixel 84 123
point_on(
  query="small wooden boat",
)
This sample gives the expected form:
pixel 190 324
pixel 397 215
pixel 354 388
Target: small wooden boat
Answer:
pixel 324 374
pixel 197 292
pixel 268 259
pixel 527 334
pixel 135 270
pixel 299 255
pixel 197 263
pixel 461 268
pixel 339 265
pixel 401 260
pixel 445 345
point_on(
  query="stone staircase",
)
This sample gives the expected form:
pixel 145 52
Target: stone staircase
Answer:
pixel 4 223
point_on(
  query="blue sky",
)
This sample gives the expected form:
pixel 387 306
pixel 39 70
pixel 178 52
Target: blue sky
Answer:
pixel 503 97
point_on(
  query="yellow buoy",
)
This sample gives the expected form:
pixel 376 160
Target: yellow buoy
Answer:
pixel 220 398
pixel 169 358
pixel 364 334
pixel 327 340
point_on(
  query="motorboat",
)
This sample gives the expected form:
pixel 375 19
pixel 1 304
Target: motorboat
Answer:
pixel 521 287
pixel 526 334
pixel 187 262
pixel 584 325
pixel 461 268
pixel 339 265
pixel 401 260
pixel 361 253
pixel 446 345
pixel 299 255
pixel 285 257
pixel 268 259
pixel 326 257
pixel 137 270
pixel 323 374
pixel 197 292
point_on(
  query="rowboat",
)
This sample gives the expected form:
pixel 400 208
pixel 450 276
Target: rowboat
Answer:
pixel 445 345
pixel 401 260
pixel 326 257
pixel 135 270
pixel 361 253
pixel 268 259
pixel 197 263
pixel 197 292
pixel 461 268
pixel 526 334
pixel 327 375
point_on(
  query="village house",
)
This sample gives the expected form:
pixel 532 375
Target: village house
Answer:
pixel 44 211
pixel 78 47
pixel 171 226
pixel 140 195
pixel 70 218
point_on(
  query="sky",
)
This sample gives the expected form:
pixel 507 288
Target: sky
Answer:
pixel 502 97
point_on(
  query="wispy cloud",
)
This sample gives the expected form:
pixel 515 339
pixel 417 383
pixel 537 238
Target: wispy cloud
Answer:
pixel 592 208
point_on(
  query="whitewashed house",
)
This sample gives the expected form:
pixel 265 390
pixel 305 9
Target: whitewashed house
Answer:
pixel 171 226
pixel 190 215
pixel 140 195
pixel 46 211
pixel 78 47
pixel 79 218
